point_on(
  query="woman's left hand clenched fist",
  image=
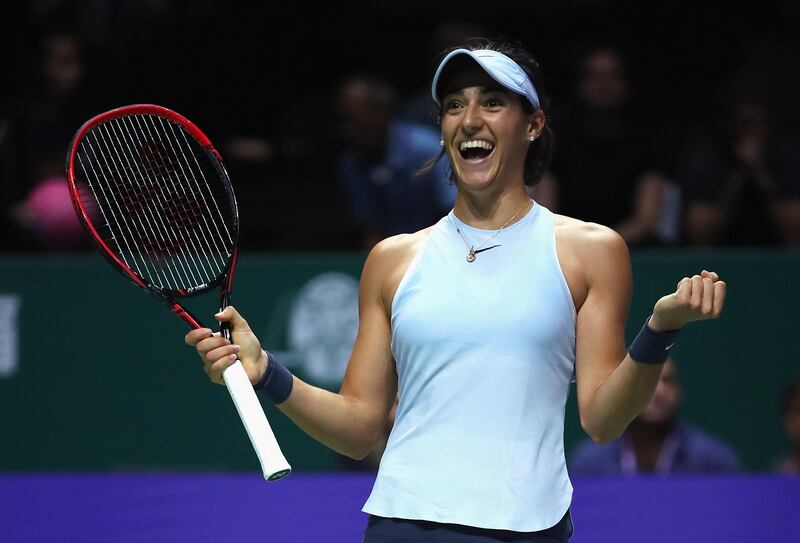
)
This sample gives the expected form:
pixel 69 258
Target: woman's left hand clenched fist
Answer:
pixel 697 298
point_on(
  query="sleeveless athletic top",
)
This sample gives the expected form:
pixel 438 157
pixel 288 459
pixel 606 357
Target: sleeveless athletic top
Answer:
pixel 485 353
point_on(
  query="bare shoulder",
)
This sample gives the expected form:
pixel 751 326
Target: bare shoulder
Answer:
pixel 388 261
pixel 588 253
pixel 588 240
pixel 389 252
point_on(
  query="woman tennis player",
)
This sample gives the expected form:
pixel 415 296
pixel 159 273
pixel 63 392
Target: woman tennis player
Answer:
pixel 479 323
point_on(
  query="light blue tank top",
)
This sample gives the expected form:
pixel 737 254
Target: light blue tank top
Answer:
pixel 485 353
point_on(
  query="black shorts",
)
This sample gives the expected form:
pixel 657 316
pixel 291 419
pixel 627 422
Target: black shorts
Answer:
pixel 395 530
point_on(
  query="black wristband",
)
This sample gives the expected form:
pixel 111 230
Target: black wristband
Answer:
pixel 277 381
pixel 651 347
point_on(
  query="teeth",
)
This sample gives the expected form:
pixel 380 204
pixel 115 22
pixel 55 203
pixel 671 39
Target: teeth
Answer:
pixel 476 143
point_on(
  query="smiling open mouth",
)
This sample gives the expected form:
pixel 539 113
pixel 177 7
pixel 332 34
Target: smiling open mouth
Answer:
pixel 475 150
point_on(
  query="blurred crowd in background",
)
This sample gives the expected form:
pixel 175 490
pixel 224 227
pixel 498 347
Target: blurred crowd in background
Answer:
pixel 676 127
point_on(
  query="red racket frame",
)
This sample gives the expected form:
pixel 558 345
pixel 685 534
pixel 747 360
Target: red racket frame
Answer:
pixel 166 296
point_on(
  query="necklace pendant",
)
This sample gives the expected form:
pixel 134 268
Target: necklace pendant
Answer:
pixel 471 255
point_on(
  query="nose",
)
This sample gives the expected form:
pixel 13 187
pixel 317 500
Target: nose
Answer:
pixel 472 120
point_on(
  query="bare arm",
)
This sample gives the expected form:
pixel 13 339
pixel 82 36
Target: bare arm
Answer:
pixel 612 387
pixel 352 421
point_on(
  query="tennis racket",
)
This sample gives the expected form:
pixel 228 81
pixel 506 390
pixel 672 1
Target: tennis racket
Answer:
pixel 156 200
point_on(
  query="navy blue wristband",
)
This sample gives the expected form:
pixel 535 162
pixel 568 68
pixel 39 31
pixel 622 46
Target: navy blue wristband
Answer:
pixel 276 383
pixel 651 347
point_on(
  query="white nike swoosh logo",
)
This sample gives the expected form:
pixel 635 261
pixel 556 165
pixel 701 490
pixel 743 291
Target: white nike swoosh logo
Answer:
pixel 669 346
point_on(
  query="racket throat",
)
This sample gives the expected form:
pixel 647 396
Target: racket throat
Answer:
pixel 224 301
pixel 183 313
pixel 186 315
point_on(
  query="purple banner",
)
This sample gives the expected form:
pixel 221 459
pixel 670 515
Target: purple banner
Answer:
pixel 169 507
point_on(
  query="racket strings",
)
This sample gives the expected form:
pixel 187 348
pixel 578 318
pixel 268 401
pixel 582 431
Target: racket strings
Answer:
pixel 182 246
pixel 201 172
pixel 152 240
pixel 161 198
pixel 142 241
pixel 179 202
pixel 145 180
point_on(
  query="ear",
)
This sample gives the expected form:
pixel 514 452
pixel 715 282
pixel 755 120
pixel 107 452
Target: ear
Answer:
pixel 536 121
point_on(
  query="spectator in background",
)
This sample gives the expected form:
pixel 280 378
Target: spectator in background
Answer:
pixel 44 119
pixel 741 178
pixel 53 108
pixel 604 169
pixel 657 441
pixel 790 416
pixel 380 162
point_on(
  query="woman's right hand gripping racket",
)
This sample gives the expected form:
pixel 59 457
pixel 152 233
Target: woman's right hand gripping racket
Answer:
pixel 156 199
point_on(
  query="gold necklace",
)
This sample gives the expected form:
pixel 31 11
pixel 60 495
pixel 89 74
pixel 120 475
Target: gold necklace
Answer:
pixel 473 252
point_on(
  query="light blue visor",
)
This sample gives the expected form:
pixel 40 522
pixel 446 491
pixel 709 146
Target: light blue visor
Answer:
pixel 499 67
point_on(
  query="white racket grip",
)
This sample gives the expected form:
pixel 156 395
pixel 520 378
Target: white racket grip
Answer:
pixel 273 463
